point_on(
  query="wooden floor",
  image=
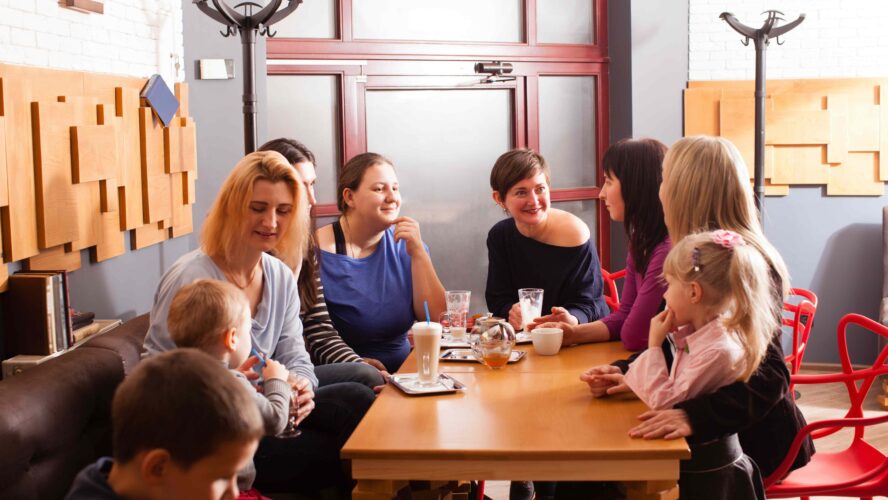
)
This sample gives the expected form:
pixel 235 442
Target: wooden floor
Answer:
pixel 817 403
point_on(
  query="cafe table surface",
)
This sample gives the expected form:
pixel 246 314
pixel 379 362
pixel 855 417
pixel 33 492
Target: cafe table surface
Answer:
pixel 531 420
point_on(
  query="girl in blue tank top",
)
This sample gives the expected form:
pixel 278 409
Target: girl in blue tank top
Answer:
pixel 375 269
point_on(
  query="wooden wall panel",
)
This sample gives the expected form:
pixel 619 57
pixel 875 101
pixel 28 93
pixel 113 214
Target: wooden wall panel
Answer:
pixel 56 202
pixel 130 181
pixel 94 152
pixel 156 198
pixel 821 132
pixel 883 137
pixel 4 190
pixel 148 235
pixel 51 259
pixel 858 175
pixel 87 167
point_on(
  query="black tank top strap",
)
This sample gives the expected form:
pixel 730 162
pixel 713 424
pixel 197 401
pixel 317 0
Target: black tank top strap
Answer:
pixel 339 238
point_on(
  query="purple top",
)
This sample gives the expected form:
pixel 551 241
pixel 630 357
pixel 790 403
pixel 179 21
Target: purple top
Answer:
pixel 641 300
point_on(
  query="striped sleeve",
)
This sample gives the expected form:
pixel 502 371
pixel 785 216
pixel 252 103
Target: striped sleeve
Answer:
pixel 323 341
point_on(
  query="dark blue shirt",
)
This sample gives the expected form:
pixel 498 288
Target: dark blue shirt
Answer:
pixel 569 276
pixel 371 300
pixel 92 482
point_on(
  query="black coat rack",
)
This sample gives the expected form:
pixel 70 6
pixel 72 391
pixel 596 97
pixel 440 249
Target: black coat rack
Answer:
pixel 248 24
pixel 762 37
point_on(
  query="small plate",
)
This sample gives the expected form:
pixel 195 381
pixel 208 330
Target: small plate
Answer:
pixel 523 338
pixel 449 343
pixel 409 384
pixel 467 356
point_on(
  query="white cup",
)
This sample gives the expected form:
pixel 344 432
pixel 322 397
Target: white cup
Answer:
pixel 427 344
pixel 547 341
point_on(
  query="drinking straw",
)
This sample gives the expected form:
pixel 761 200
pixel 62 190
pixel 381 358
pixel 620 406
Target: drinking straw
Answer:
pixel 258 355
pixel 425 303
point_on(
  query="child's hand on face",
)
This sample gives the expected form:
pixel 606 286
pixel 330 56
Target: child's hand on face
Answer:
pixel 274 369
pixel 661 325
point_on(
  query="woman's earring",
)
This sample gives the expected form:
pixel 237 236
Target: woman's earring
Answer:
pixel 505 210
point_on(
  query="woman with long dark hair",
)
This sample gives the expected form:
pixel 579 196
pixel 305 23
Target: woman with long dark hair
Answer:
pixel 633 171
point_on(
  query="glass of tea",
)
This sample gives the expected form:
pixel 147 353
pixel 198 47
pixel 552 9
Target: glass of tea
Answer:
pixel 492 340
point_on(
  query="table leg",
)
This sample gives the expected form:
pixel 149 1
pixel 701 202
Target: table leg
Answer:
pixel 373 489
pixel 652 490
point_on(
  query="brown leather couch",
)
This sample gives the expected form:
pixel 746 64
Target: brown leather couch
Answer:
pixel 55 418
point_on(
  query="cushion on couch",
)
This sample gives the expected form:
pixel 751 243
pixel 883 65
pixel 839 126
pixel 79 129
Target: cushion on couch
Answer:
pixel 55 418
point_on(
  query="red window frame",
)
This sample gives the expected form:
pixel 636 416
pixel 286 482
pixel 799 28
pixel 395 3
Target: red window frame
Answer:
pixel 390 64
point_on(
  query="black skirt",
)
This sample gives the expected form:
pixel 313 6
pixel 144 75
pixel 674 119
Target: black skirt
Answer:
pixel 718 470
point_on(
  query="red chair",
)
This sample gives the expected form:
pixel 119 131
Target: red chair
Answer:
pixel 801 311
pixel 611 294
pixel 861 470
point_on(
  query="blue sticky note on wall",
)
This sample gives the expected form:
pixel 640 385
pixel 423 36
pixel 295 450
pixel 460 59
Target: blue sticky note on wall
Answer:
pixel 161 99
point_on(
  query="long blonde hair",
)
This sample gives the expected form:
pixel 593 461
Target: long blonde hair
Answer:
pixel 222 236
pixel 706 187
pixel 736 284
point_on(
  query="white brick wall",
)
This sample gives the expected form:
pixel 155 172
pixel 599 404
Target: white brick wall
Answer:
pixel 838 39
pixel 133 37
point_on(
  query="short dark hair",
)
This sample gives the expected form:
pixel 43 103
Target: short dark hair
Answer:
pixel 638 165
pixel 293 150
pixel 352 174
pixel 515 166
pixel 158 404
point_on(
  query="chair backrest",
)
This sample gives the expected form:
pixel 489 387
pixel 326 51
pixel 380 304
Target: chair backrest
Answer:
pixel 611 294
pixel 800 310
pixel 857 383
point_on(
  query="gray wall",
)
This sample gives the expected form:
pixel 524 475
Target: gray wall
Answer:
pixel 648 48
pixel 832 245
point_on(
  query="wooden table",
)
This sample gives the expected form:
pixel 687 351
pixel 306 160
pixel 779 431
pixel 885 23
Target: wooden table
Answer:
pixel 532 420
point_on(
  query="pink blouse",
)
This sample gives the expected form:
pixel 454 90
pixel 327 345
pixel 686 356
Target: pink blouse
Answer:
pixel 705 360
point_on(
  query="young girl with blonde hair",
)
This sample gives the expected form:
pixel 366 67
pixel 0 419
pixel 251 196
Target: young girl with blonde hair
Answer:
pixel 719 322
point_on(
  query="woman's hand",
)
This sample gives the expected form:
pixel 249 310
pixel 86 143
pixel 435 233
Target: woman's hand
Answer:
pixel 515 316
pixel 661 324
pixel 569 334
pixel 559 315
pixel 407 229
pixel 666 424
pixel 375 363
pixel 604 380
pixel 304 397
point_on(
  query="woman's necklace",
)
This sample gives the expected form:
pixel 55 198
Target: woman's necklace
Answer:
pixel 348 247
pixel 249 280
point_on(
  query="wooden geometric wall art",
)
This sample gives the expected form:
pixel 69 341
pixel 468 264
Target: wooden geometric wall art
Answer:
pixel 91 163
pixel 817 132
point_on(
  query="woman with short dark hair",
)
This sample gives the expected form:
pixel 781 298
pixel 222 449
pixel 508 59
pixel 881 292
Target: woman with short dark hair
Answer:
pixel 538 246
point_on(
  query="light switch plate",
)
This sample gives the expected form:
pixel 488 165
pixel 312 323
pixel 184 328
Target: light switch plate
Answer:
pixel 216 69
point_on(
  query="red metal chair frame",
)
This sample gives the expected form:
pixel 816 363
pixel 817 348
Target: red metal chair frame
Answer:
pixel 801 322
pixel 861 470
pixel 611 294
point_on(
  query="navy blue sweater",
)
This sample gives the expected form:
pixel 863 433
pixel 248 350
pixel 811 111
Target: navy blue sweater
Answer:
pixel 570 276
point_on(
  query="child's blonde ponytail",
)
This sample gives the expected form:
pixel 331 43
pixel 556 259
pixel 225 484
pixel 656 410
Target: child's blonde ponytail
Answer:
pixel 736 279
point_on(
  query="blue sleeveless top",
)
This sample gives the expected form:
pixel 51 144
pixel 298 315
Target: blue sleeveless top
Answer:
pixel 371 300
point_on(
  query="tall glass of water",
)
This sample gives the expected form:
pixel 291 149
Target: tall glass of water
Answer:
pixel 531 302
pixel 458 309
